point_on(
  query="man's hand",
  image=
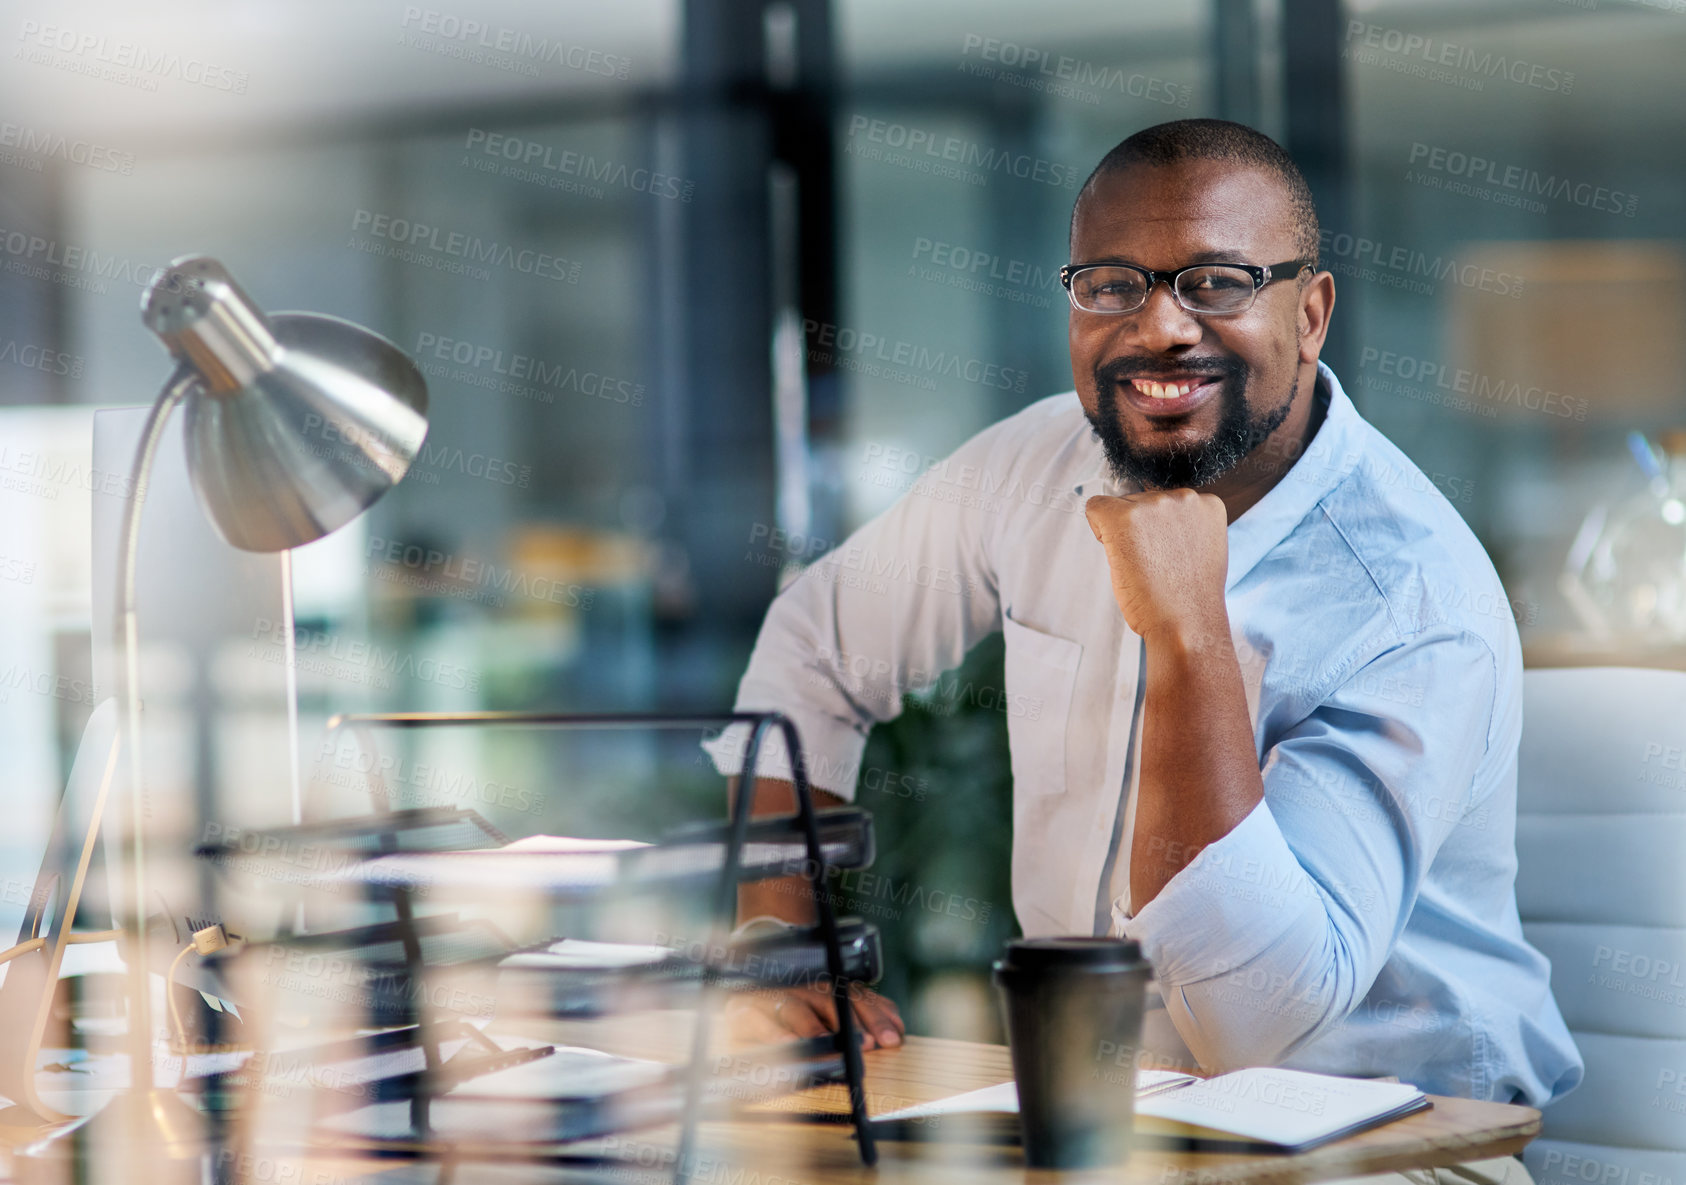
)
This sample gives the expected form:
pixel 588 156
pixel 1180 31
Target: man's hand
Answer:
pixel 766 1017
pixel 1169 555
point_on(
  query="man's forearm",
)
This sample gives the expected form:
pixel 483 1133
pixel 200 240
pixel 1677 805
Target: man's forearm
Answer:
pixel 1199 767
pixel 789 898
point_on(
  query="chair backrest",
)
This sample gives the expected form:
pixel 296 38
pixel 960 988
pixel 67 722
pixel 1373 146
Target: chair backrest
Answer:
pixel 1601 885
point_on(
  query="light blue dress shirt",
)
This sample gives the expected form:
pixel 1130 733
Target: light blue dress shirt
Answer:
pixel 1362 918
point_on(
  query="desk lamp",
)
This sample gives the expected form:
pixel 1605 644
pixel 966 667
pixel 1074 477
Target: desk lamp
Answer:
pixel 295 424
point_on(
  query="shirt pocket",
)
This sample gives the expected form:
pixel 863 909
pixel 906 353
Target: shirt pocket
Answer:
pixel 1041 674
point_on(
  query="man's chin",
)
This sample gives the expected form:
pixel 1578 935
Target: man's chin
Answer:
pixel 1169 459
pixel 1169 472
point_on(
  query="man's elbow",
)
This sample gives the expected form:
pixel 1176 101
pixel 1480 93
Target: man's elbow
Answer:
pixel 1258 1015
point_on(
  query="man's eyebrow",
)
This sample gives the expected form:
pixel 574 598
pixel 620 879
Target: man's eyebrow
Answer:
pixel 1197 257
pixel 1218 257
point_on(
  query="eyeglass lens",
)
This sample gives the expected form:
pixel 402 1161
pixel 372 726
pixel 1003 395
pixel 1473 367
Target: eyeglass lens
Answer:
pixel 1212 289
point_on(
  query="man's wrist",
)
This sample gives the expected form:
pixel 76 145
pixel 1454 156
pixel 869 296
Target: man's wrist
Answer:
pixel 1192 637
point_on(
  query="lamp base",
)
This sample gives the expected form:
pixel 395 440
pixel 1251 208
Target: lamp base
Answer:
pixel 152 1136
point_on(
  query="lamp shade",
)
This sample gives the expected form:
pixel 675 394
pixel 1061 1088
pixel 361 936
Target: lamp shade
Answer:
pixel 297 423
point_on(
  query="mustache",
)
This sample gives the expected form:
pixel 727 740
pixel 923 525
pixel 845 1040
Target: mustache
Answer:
pixel 1118 370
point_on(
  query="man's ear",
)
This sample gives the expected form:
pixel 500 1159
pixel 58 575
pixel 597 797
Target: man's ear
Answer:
pixel 1317 304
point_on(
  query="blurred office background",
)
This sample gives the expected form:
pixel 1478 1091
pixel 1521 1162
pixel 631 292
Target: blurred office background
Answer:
pixel 700 286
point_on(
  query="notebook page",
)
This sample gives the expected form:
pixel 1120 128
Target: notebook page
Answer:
pixel 1288 1107
pixel 1004 1097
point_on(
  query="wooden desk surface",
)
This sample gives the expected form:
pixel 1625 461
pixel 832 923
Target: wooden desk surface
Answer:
pixel 775 1150
pixel 926 1068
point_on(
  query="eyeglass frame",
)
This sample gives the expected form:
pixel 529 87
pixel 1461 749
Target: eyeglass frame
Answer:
pixel 1262 275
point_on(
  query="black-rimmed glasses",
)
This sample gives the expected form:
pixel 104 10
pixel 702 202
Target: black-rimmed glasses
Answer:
pixel 1199 288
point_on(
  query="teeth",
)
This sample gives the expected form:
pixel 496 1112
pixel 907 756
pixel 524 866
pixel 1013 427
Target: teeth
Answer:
pixel 1164 390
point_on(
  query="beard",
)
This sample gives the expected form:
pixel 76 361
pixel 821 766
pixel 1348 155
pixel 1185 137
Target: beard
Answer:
pixel 1181 464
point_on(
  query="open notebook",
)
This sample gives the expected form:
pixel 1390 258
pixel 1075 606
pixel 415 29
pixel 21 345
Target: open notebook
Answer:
pixel 1262 1109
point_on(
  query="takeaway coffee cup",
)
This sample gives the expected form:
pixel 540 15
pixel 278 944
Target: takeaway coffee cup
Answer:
pixel 1074 1021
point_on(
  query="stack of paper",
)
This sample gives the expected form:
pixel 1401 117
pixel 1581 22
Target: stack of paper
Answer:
pixel 1253 1109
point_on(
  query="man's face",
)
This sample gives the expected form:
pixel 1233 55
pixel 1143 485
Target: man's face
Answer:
pixel 1240 371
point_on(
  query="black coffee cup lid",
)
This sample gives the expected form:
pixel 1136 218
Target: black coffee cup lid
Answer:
pixel 1074 953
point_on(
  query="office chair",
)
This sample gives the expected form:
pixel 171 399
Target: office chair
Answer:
pixel 1601 885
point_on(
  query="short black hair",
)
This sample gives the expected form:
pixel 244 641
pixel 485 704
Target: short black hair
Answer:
pixel 1215 139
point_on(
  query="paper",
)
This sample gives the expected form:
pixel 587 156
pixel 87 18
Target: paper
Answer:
pixel 1003 1098
pixel 552 863
pixel 575 954
pixel 1291 1108
pixel 1285 1108
pixel 573 1094
pixel 567 845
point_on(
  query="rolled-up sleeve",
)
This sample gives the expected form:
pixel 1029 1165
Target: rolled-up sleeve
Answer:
pixel 1274 933
pixel 898 603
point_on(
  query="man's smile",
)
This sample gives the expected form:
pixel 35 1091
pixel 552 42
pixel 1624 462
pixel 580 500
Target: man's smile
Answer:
pixel 1170 394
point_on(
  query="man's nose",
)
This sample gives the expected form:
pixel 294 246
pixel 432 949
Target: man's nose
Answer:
pixel 1161 324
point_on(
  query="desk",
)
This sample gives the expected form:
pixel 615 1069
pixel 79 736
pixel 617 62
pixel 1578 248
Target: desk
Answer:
pixel 1455 1130
pixel 774 1150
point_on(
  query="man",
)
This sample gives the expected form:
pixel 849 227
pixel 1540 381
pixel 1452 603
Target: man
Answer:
pixel 1270 719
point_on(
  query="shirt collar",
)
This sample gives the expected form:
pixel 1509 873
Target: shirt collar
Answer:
pixel 1331 455
pixel 1325 463
pixel 1100 478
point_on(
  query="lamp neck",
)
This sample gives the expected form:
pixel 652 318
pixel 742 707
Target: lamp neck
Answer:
pixel 127 668
pixel 206 321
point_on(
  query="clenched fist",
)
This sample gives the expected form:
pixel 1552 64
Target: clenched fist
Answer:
pixel 1169 555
